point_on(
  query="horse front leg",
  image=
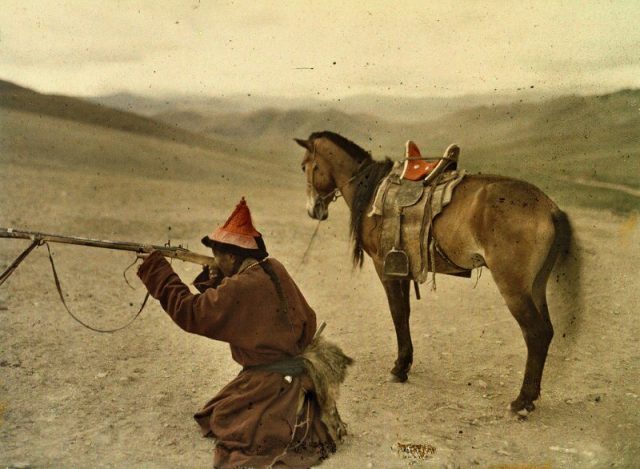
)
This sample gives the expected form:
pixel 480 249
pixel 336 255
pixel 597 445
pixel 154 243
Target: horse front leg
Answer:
pixel 399 304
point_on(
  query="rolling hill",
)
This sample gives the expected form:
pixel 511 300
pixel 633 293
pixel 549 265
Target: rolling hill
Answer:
pixel 70 139
pixel 553 143
pixel 15 97
pixel 577 148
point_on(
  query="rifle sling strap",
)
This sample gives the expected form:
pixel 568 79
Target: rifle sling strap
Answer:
pixel 59 288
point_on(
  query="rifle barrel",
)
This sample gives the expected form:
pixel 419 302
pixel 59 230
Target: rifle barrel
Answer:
pixel 176 252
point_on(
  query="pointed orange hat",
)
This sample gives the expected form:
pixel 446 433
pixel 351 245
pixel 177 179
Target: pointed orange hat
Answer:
pixel 238 234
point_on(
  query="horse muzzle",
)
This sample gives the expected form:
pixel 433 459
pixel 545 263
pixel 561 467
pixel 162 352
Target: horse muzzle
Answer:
pixel 317 208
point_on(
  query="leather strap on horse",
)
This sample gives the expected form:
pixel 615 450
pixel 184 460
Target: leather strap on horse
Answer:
pixel 95 329
pixel 431 243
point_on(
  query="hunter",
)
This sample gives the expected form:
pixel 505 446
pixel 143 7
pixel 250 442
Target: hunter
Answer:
pixel 280 410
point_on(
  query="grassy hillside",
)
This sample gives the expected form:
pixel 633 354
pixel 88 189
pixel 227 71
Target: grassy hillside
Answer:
pixel 47 142
pixel 562 144
pixel 577 148
pixel 109 184
pixel 555 144
pixel 22 99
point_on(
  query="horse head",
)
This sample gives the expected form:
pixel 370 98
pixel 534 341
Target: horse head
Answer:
pixel 321 186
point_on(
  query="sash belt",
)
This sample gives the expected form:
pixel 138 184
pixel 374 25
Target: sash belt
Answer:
pixel 293 366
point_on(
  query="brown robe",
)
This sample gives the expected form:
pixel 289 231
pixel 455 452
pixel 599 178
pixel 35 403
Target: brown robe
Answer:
pixel 253 417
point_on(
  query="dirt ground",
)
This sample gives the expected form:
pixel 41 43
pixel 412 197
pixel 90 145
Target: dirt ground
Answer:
pixel 70 397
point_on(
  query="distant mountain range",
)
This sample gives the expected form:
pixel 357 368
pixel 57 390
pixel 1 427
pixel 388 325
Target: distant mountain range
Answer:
pixel 585 139
pixel 383 123
pixel 546 140
pixel 568 125
pixel 392 108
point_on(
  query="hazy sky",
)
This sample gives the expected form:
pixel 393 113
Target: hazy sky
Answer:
pixel 324 48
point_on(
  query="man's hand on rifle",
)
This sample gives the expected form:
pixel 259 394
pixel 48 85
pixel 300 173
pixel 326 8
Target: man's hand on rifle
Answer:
pixel 142 255
pixel 210 277
pixel 211 272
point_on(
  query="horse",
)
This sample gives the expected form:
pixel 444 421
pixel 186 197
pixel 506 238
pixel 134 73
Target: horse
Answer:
pixel 506 225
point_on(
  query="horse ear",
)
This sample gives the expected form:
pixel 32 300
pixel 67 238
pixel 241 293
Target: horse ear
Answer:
pixel 306 144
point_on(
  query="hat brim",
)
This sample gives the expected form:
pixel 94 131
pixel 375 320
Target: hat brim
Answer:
pixel 259 253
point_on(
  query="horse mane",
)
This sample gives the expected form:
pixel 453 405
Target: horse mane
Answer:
pixel 365 181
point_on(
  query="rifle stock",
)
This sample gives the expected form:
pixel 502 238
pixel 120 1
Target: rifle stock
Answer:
pixel 174 252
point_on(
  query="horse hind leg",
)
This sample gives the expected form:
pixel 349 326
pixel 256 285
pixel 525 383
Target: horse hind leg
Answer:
pixel 527 303
pixel 538 332
pixel 543 329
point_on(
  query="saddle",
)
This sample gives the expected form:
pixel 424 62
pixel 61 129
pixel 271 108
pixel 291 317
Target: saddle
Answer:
pixel 417 168
pixel 408 199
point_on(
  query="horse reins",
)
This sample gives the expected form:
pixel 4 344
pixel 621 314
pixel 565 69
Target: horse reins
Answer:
pixel 308 249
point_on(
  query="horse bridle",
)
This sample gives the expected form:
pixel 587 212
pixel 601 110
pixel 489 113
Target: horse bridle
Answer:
pixel 333 195
pixel 336 193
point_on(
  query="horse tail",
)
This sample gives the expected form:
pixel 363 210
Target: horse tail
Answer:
pixel 567 276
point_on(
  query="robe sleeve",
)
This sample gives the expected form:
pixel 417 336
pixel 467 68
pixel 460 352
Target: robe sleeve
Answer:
pixel 205 280
pixel 207 314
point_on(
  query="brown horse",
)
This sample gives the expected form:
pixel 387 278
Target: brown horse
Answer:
pixel 507 225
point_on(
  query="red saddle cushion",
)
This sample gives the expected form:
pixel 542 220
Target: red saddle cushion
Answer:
pixel 415 168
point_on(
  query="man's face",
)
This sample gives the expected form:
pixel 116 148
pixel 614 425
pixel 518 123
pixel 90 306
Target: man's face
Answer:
pixel 226 262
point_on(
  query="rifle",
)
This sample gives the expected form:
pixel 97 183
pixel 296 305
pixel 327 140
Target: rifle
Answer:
pixel 37 238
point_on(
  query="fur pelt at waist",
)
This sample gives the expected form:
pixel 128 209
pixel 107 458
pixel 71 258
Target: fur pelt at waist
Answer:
pixel 326 365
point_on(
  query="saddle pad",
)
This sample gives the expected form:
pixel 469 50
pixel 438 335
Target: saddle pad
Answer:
pixel 416 217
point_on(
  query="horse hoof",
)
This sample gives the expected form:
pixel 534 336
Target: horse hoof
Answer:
pixel 521 405
pixel 398 377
